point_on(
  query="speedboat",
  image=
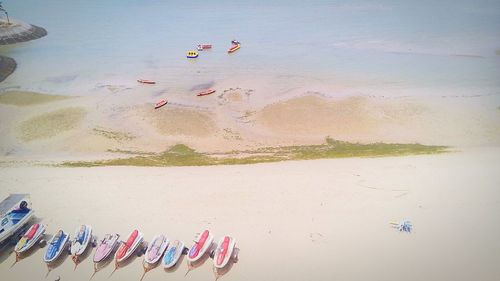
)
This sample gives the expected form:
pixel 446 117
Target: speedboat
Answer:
pixel 30 237
pixel 234 48
pixel 15 212
pixel 106 246
pixel 126 249
pixel 83 235
pixel 202 47
pixel 172 254
pixel 224 251
pixel 201 244
pixel 57 245
pixel 156 249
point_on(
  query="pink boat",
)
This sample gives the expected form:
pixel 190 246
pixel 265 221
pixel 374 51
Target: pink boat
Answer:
pixel 105 247
pixel 156 249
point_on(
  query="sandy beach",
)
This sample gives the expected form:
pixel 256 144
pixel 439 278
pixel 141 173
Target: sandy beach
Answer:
pixel 298 220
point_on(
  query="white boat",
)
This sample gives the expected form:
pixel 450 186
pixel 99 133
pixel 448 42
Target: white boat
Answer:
pixel 56 246
pixel 172 254
pixel 30 237
pixel 224 251
pixel 201 244
pixel 15 212
pixel 127 248
pixel 82 238
pixel 156 249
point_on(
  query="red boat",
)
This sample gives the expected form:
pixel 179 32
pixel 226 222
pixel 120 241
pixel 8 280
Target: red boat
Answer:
pixel 160 104
pixel 234 48
pixel 206 92
pixel 202 47
pixel 146 81
pixel 201 245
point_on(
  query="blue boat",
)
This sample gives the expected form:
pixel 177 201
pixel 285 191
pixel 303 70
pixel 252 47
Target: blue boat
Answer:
pixel 15 212
pixel 172 254
pixel 56 246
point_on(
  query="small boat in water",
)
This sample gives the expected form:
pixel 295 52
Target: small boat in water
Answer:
pixel 106 247
pixel 234 48
pixel 224 251
pixel 146 81
pixel 172 254
pixel 127 248
pixel 30 237
pixel 160 104
pixel 57 245
pixel 15 212
pixel 202 47
pixel 83 235
pixel 192 54
pixel 206 92
pixel 201 244
pixel 156 249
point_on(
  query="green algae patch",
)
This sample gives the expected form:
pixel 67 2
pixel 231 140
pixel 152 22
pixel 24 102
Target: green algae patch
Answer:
pixel 182 155
pixel 50 124
pixel 23 98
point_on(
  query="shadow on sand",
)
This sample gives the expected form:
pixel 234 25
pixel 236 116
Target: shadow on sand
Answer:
pixel 60 260
pixel 219 272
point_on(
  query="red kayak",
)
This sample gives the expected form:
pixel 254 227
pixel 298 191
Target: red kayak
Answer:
pixel 146 81
pixel 160 104
pixel 206 92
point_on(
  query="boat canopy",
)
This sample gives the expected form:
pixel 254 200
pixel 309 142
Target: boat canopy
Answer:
pixel 12 201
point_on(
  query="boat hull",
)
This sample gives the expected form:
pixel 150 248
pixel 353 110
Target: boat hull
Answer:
pixel 224 251
pixel 83 235
pixel 126 249
pixel 156 249
pixel 106 246
pixel 57 245
pixel 234 48
pixel 27 242
pixel 172 254
pixel 200 247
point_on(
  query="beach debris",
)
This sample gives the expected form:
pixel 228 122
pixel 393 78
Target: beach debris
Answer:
pixel 403 226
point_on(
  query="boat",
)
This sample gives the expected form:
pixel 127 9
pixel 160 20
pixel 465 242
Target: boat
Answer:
pixel 201 244
pixel 106 247
pixel 224 251
pixel 83 235
pixel 146 81
pixel 206 92
pixel 192 54
pixel 160 104
pixel 127 248
pixel 172 254
pixel 15 213
pixel 57 245
pixel 234 48
pixel 30 237
pixel 156 249
pixel 202 47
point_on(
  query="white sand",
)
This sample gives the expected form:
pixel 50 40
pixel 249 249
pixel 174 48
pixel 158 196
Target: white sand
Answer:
pixel 308 220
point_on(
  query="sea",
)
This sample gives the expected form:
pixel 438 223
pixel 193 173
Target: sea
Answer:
pixel 362 47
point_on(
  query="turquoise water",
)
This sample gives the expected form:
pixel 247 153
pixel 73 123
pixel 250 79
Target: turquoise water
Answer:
pixel 382 45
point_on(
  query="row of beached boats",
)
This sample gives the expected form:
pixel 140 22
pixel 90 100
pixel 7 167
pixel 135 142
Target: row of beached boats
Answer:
pixel 160 247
